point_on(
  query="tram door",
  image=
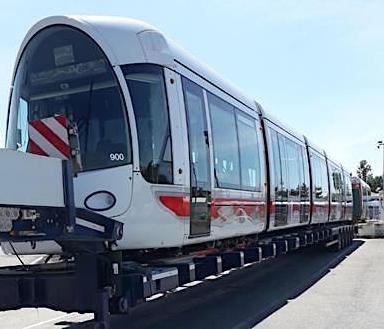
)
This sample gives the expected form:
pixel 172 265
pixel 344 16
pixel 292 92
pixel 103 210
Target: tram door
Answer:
pixel 199 160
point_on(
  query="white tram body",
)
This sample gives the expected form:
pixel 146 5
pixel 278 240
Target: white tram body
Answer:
pixel 167 147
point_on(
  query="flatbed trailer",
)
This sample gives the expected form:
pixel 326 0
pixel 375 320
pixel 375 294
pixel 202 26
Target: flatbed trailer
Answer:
pixel 91 276
pixel 104 283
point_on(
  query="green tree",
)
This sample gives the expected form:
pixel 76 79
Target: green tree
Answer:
pixel 375 183
pixel 364 170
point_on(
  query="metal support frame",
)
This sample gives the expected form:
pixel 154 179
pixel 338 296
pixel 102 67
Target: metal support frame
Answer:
pixel 207 265
pixel 101 282
pixel 232 259
pixel 69 226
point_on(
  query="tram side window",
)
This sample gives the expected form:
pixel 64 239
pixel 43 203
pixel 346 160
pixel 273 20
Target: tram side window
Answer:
pixel 337 184
pixel 293 160
pixel 324 178
pixel 249 152
pixel 194 102
pixel 348 188
pixel 300 168
pixel 321 178
pixel 225 145
pixel 276 161
pixel 333 185
pixel 318 185
pixel 304 187
pixel 288 166
pixel 341 185
pixel 285 161
pixel 22 126
pixel 148 95
pixel 284 165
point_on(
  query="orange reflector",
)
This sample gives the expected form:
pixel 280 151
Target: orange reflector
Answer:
pixel 177 204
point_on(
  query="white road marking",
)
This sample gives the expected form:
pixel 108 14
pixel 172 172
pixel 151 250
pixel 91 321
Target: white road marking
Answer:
pixel 193 283
pixel 50 320
pixel 153 297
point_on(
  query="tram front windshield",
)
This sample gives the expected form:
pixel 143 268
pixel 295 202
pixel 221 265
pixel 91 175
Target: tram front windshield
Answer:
pixel 63 72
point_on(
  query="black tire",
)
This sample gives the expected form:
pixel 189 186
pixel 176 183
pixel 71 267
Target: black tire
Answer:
pixel 340 238
pixel 100 325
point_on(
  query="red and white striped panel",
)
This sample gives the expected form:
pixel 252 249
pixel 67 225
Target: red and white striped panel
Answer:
pixel 49 137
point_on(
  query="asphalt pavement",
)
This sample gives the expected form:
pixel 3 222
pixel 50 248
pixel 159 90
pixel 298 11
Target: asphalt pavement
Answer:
pixel 310 288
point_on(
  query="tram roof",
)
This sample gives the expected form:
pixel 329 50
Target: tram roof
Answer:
pixel 127 41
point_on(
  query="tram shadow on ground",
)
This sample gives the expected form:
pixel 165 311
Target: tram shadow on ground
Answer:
pixel 241 299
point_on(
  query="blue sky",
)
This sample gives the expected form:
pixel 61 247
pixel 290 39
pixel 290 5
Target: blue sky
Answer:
pixel 316 65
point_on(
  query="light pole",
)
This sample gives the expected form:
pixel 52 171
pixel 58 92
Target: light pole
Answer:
pixel 381 195
pixel 381 144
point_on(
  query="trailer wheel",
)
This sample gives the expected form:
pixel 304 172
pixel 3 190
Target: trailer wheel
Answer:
pixel 119 305
pixel 100 325
pixel 346 234
pixel 342 242
pixel 351 234
pixel 123 305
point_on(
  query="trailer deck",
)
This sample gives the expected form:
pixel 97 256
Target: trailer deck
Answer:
pixel 325 289
pixel 105 284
